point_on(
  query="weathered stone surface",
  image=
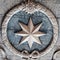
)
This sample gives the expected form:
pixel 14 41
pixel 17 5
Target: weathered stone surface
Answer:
pixel 54 5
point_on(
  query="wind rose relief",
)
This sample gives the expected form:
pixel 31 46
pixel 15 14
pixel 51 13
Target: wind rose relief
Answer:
pixel 29 30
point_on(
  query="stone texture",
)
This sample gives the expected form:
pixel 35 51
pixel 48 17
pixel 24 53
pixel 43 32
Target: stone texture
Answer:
pixel 54 5
pixel 57 1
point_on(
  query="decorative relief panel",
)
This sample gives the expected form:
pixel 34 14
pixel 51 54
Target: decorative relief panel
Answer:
pixel 29 30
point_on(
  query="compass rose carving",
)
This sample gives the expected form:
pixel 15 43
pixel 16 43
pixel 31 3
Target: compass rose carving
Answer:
pixel 30 28
pixel 30 33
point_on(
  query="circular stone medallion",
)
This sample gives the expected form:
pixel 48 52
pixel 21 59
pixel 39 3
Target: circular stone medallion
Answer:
pixel 30 30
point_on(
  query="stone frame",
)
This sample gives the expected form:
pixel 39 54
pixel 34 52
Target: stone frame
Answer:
pixel 27 8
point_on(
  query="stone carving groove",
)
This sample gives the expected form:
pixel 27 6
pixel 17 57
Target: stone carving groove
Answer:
pixel 2 54
pixel 56 55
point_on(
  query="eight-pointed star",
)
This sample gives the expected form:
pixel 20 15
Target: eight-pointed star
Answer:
pixel 30 33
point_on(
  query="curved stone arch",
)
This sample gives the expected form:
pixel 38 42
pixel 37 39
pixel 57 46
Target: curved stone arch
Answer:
pixel 58 50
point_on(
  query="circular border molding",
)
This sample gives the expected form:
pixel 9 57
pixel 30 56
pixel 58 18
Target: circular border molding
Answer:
pixel 30 8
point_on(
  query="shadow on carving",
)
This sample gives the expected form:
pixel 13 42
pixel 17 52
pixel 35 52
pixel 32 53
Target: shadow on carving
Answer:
pixel 55 53
pixel 2 54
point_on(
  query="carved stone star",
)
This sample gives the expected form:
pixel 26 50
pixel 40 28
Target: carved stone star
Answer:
pixel 30 33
